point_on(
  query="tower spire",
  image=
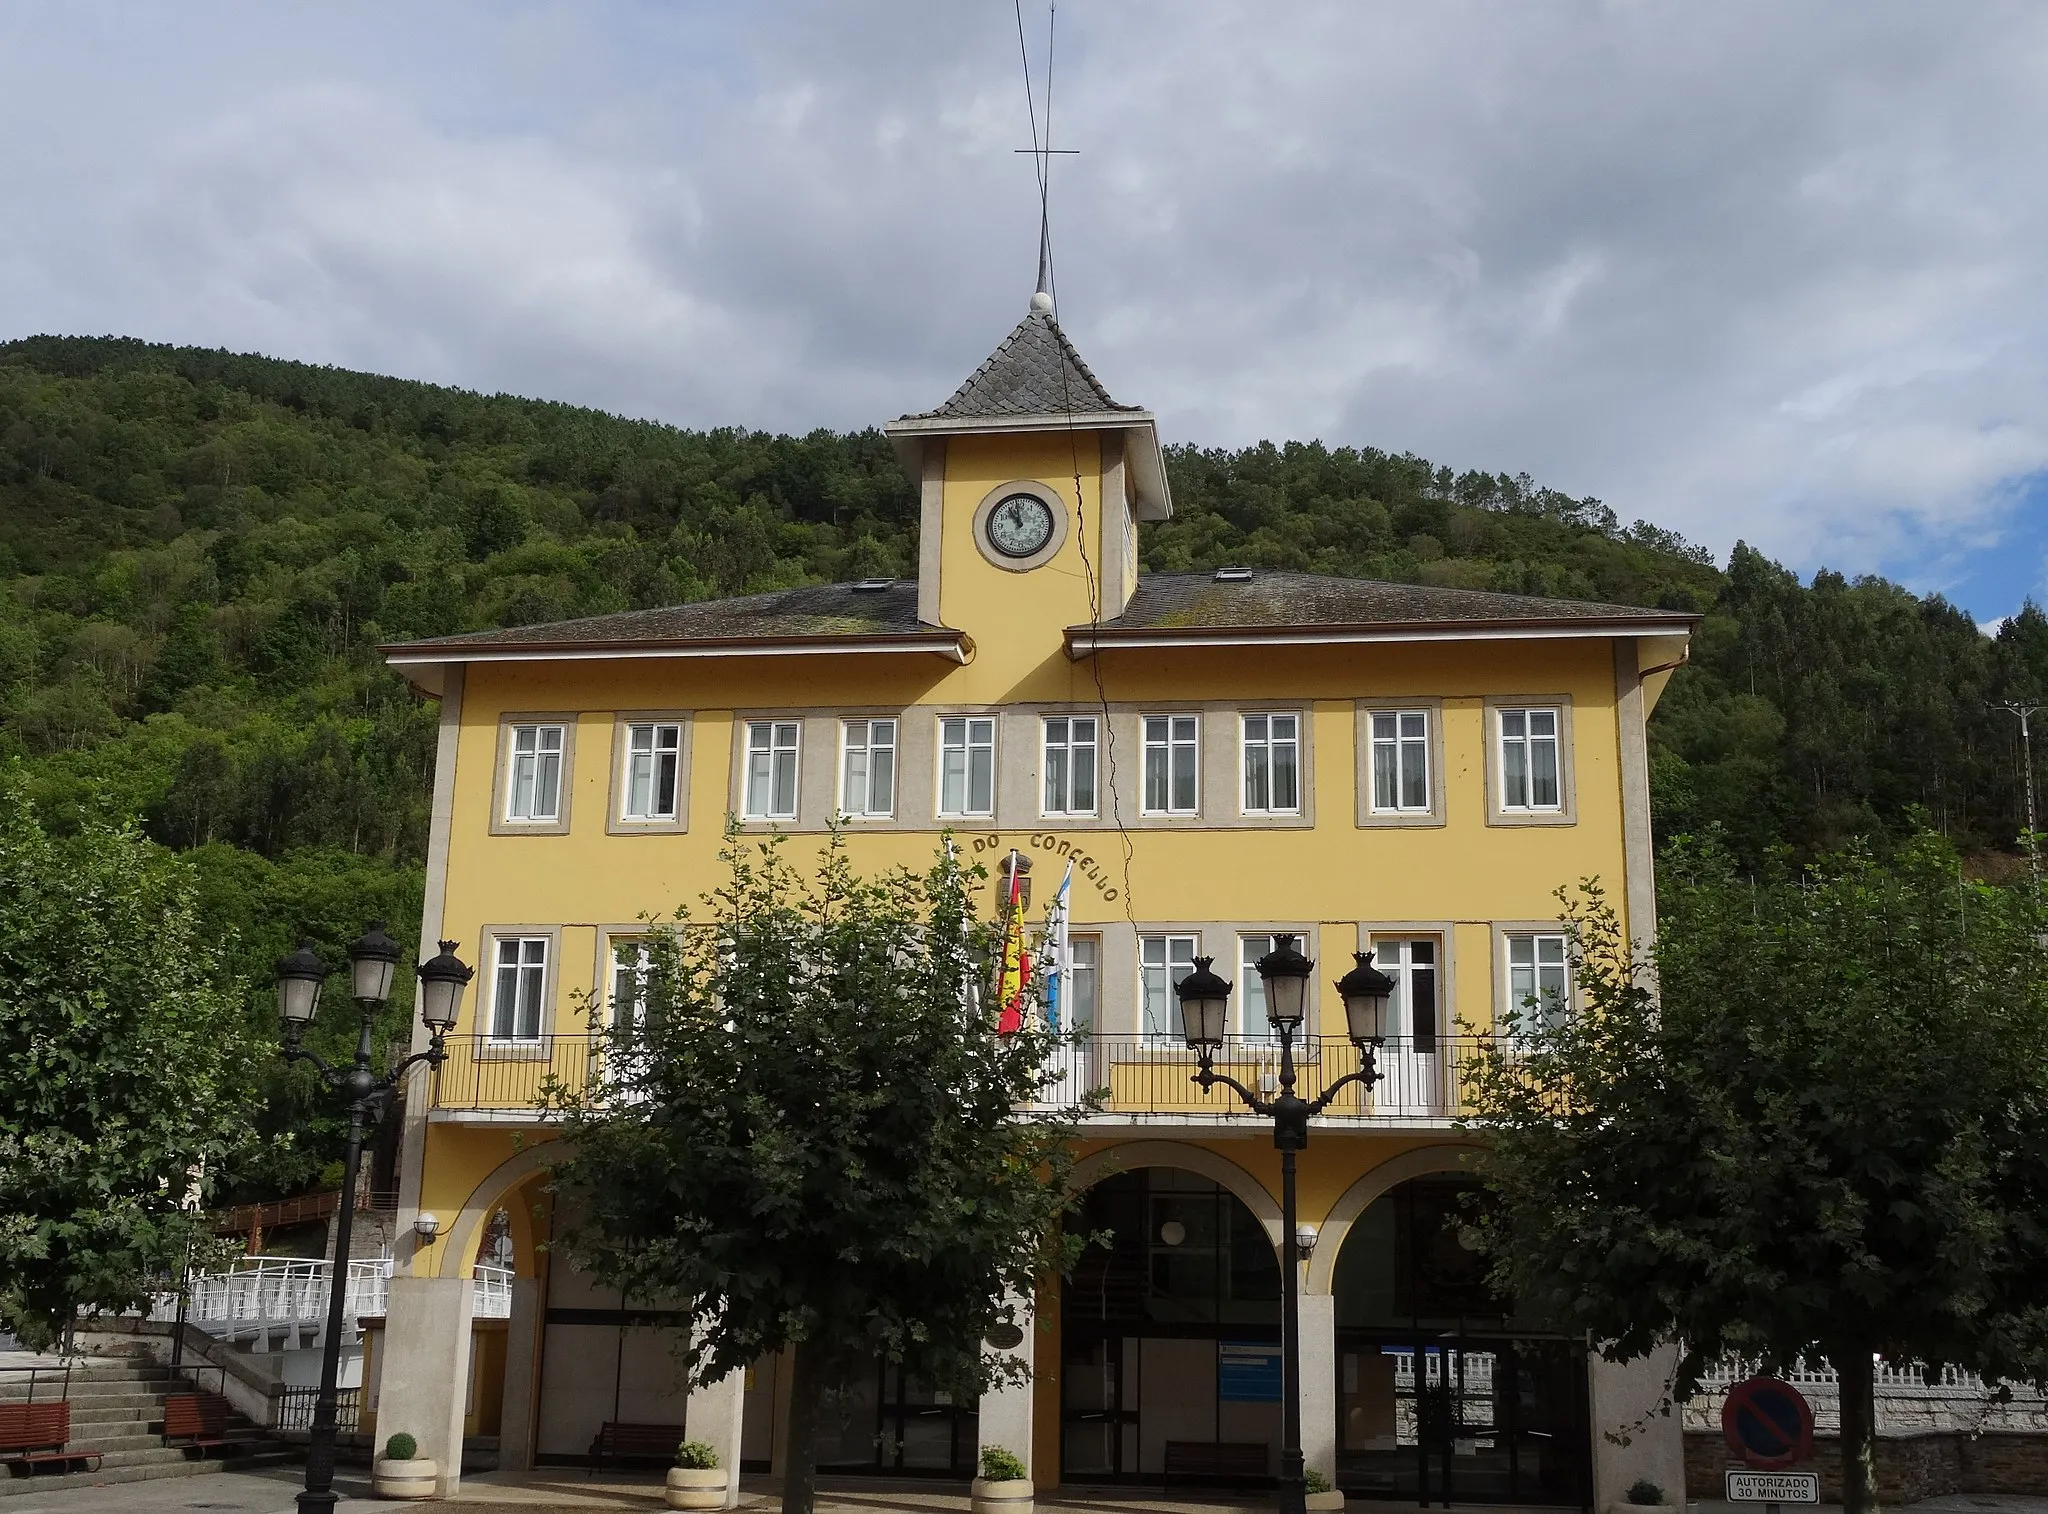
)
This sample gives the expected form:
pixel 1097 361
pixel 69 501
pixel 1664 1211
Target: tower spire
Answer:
pixel 1041 298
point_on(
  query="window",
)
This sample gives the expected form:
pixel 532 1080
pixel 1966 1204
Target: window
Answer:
pixel 1539 978
pixel 1070 765
pixel 516 997
pixel 1162 962
pixel 1400 762
pixel 1414 1012
pixel 629 981
pixel 771 769
pixel 867 784
pixel 1272 764
pixel 1170 747
pixel 1528 760
pixel 967 765
pixel 1250 997
pixel 1079 1012
pixel 535 790
pixel 653 759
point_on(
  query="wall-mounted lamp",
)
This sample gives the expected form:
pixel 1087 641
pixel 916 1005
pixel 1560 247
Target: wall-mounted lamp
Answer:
pixel 1304 1240
pixel 426 1225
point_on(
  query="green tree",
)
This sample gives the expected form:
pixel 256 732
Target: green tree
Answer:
pixel 125 1074
pixel 806 1139
pixel 1821 1135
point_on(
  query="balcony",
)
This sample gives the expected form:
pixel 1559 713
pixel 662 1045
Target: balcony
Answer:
pixel 1145 1079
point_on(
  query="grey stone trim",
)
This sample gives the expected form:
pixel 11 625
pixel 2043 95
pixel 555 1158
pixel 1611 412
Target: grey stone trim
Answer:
pixel 1446 934
pixel 1369 818
pixel 1498 933
pixel 483 1003
pixel 615 821
pixel 1637 843
pixel 440 826
pixel 1567 812
pixel 1062 516
pixel 565 802
pixel 931 525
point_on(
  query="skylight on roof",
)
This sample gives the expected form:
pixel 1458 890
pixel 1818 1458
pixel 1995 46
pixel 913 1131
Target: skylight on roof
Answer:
pixel 1233 575
pixel 873 585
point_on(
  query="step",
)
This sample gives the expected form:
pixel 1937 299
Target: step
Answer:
pixel 107 1476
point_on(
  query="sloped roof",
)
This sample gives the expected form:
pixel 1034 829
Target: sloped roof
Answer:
pixel 1035 371
pixel 1271 601
pixel 818 612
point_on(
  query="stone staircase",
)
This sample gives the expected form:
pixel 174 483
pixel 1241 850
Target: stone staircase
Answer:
pixel 117 1409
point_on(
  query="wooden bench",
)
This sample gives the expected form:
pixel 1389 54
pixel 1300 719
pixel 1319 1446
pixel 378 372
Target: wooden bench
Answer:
pixel 617 1441
pixel 1218 1461
pixel 33 1435
pixel 199 1422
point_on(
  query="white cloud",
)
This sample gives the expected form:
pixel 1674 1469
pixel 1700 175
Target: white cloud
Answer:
pixel 1743 269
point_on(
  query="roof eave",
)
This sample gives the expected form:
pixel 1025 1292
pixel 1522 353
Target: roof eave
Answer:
pixel 420 662
pixel 1083 640
pixel 908 434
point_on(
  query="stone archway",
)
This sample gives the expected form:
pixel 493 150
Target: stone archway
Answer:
pixel 1128 1155
pixel 459 1250
pixel 1360 1196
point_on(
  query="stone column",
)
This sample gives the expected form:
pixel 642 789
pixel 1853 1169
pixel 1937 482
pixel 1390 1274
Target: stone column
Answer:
pixel 717 1415
pixel 1319 1383
pixel 1626 1399
pixel 522 1366
pixel 1006 1410
pixel 424 1381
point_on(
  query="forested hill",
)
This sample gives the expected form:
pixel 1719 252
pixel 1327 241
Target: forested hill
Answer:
pixel 199 553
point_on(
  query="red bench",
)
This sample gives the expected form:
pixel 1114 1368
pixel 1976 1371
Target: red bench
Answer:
pixel 33 1435
pixel 199 1421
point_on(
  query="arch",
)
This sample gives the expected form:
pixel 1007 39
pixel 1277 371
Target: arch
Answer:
pixel 458 1248
pixel 1359 1197
pixel 1196 1159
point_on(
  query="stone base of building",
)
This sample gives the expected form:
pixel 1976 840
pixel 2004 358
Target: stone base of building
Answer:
pixel 1909 1468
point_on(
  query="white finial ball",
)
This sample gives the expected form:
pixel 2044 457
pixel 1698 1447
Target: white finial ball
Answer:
pixel 1041 301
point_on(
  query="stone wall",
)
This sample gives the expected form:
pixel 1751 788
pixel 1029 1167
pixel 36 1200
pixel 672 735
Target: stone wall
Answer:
pixel 1909 1468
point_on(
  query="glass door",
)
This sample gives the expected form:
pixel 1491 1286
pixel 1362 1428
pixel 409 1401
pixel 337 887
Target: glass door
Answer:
pixel 1099 1409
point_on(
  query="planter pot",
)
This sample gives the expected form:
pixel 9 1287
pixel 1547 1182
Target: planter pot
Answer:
pixel 417 1478
pixel 1330 1500
pixel 1643 1508
pixel 695 1488
pixel 1010 1496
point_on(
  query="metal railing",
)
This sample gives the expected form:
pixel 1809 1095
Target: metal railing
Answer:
pixel 294 1409
pixel 1419 1079
pixel 485 1073
pixel 261 1294
pixel 1907 1402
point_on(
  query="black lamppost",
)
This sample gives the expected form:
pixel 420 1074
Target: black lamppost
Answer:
pixel 373 959
pixel 1204 1010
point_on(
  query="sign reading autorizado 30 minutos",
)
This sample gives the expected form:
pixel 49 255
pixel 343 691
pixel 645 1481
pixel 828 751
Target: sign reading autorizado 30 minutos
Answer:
pixel 1773 1487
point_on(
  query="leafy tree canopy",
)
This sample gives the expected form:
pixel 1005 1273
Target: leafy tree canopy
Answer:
pixel 1827 1140
pixel 807 1135
pixel 125 1072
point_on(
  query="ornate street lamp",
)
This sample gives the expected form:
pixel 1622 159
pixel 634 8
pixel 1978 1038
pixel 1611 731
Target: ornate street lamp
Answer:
pixel 1205 1001
pixel 373 962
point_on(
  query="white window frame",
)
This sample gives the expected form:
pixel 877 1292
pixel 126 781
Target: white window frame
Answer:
pixel 1271 743
pixel 1174 745
pixel 1545 954
pixel 1084 963
pixel 773 747
pixel 657 751
pixel 532 966
pixel 977 738
pixel 625 955
pixel 1067 750
pixel 1176 951
pixel 1530 743
pixel 538 755
pixel 859 739
pixel 1402 746
pixel 1394 955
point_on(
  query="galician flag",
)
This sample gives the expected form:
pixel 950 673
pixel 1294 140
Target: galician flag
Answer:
pixel 1056 953
pixel 1013 987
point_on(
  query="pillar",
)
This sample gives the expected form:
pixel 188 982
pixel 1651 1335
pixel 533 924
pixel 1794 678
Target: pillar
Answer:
pixel 1626 1401
pixel 522 1369
pixel 1319 1383
pixel 424 1381
pixel 1006 1409
pixel 717 1415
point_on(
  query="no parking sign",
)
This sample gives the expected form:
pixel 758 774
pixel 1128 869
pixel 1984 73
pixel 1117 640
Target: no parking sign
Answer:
pixel 1769 1425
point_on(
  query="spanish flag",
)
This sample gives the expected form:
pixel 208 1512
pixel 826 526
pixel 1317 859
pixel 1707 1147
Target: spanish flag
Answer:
pixel 1014 986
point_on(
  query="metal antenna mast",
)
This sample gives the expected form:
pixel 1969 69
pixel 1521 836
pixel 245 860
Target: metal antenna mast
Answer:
pixel 2026 712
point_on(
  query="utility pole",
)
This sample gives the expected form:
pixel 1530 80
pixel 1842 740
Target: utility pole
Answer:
pixel 2026 712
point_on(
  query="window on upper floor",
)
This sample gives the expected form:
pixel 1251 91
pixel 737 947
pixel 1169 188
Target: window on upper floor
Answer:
pixel 1070 751
pixel 519 987
pixel 627 995
pixel 1162 962
pixel 533 787
pixel 1172 761
pixel 1530 770
pixel 771 769
pixel 1272 764
pixel 654 752
pixel 1400 762
pixel 1539 977
pixel 1415 1008
pixel 967 765
pixel 867 779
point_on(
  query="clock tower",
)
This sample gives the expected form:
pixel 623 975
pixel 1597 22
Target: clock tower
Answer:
pixel 1033 482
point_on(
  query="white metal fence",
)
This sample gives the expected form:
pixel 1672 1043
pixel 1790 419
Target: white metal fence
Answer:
pixel 1955 1401
pixel 263 1295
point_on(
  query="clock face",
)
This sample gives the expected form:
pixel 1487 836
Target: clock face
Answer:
pixel 1020 525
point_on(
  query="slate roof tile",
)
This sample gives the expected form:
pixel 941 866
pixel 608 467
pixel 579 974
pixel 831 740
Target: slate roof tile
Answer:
pixel 1023 376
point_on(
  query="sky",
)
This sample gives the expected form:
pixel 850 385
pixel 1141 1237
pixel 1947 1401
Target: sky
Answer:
pixel 1746 270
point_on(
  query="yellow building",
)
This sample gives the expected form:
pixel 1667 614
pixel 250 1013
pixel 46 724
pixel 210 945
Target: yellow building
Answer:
pixel 1222 756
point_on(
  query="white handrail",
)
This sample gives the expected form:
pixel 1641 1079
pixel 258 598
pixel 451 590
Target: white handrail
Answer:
pixel 269 1292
